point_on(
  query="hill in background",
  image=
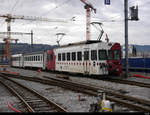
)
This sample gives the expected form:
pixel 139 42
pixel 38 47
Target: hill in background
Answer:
pixel 26 48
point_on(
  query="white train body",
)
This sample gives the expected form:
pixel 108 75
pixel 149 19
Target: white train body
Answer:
pixel 36 59
pixel 86 62
pixel 17 60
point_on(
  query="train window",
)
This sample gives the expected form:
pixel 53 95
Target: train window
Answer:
pixel 59 56
pixel 73 56
pixel 86 55
pixel 51 57
pixel 38 58
pixel 32 58
pixel 102 54
pixel 79 56
pixel 110 54
pixel 63 56
pixel 117 54
pixel 68 56
pixel 48 57
pixel 93 54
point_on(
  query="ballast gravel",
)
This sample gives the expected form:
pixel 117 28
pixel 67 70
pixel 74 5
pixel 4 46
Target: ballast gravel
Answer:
pixel 69 99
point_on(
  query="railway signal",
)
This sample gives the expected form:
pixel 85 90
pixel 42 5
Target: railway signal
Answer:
pixel 134 13
pixel 107 2
pixel 89 7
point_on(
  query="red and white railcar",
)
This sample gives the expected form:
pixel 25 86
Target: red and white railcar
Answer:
pixel 88 57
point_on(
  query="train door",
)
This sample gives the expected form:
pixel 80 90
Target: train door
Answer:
pixel 51 60
pixel 86 62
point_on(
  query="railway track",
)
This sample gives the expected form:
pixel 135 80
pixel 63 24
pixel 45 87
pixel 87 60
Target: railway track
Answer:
pixel 32 100
pixel 135 83
pixel 125 100
pixel 115 80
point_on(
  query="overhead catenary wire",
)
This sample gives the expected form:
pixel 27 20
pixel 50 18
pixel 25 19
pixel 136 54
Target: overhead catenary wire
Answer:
pixel 13 8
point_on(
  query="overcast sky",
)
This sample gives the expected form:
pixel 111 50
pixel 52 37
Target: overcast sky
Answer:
pixel 45 32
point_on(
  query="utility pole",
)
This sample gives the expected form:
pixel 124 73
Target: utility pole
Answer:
pixel 126 36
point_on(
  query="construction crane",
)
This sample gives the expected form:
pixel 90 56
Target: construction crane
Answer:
pixel 9 17
pixel 6 40
pixel 20 33
pixel 88 6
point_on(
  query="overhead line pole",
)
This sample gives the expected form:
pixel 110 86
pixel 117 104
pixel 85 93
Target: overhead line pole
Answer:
pixel 126 36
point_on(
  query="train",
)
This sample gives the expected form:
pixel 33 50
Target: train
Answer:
pixel 90 57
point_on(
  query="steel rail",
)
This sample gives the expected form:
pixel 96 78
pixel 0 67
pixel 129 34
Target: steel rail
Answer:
pixel 29 108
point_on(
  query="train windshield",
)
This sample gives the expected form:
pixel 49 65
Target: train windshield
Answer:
pixel 110 54
pixel 117 54
pixel 102 54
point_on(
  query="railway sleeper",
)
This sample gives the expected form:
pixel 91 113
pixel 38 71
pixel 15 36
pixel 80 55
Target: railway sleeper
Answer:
pixel 44 109
pixel 33 101
pixel 38 105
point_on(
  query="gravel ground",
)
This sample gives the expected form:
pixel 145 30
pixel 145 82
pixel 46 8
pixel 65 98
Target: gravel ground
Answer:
pixel 5 97
pixel 69 99
pixel 134 91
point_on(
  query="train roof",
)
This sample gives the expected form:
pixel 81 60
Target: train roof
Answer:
pixel 84 43
pixel 80 43
pixel 16 55
pixel 32 53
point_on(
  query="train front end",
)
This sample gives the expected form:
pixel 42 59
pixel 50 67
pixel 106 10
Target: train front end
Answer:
pixel 114 60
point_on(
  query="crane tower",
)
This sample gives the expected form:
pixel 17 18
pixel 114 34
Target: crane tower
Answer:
pixel 88 6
